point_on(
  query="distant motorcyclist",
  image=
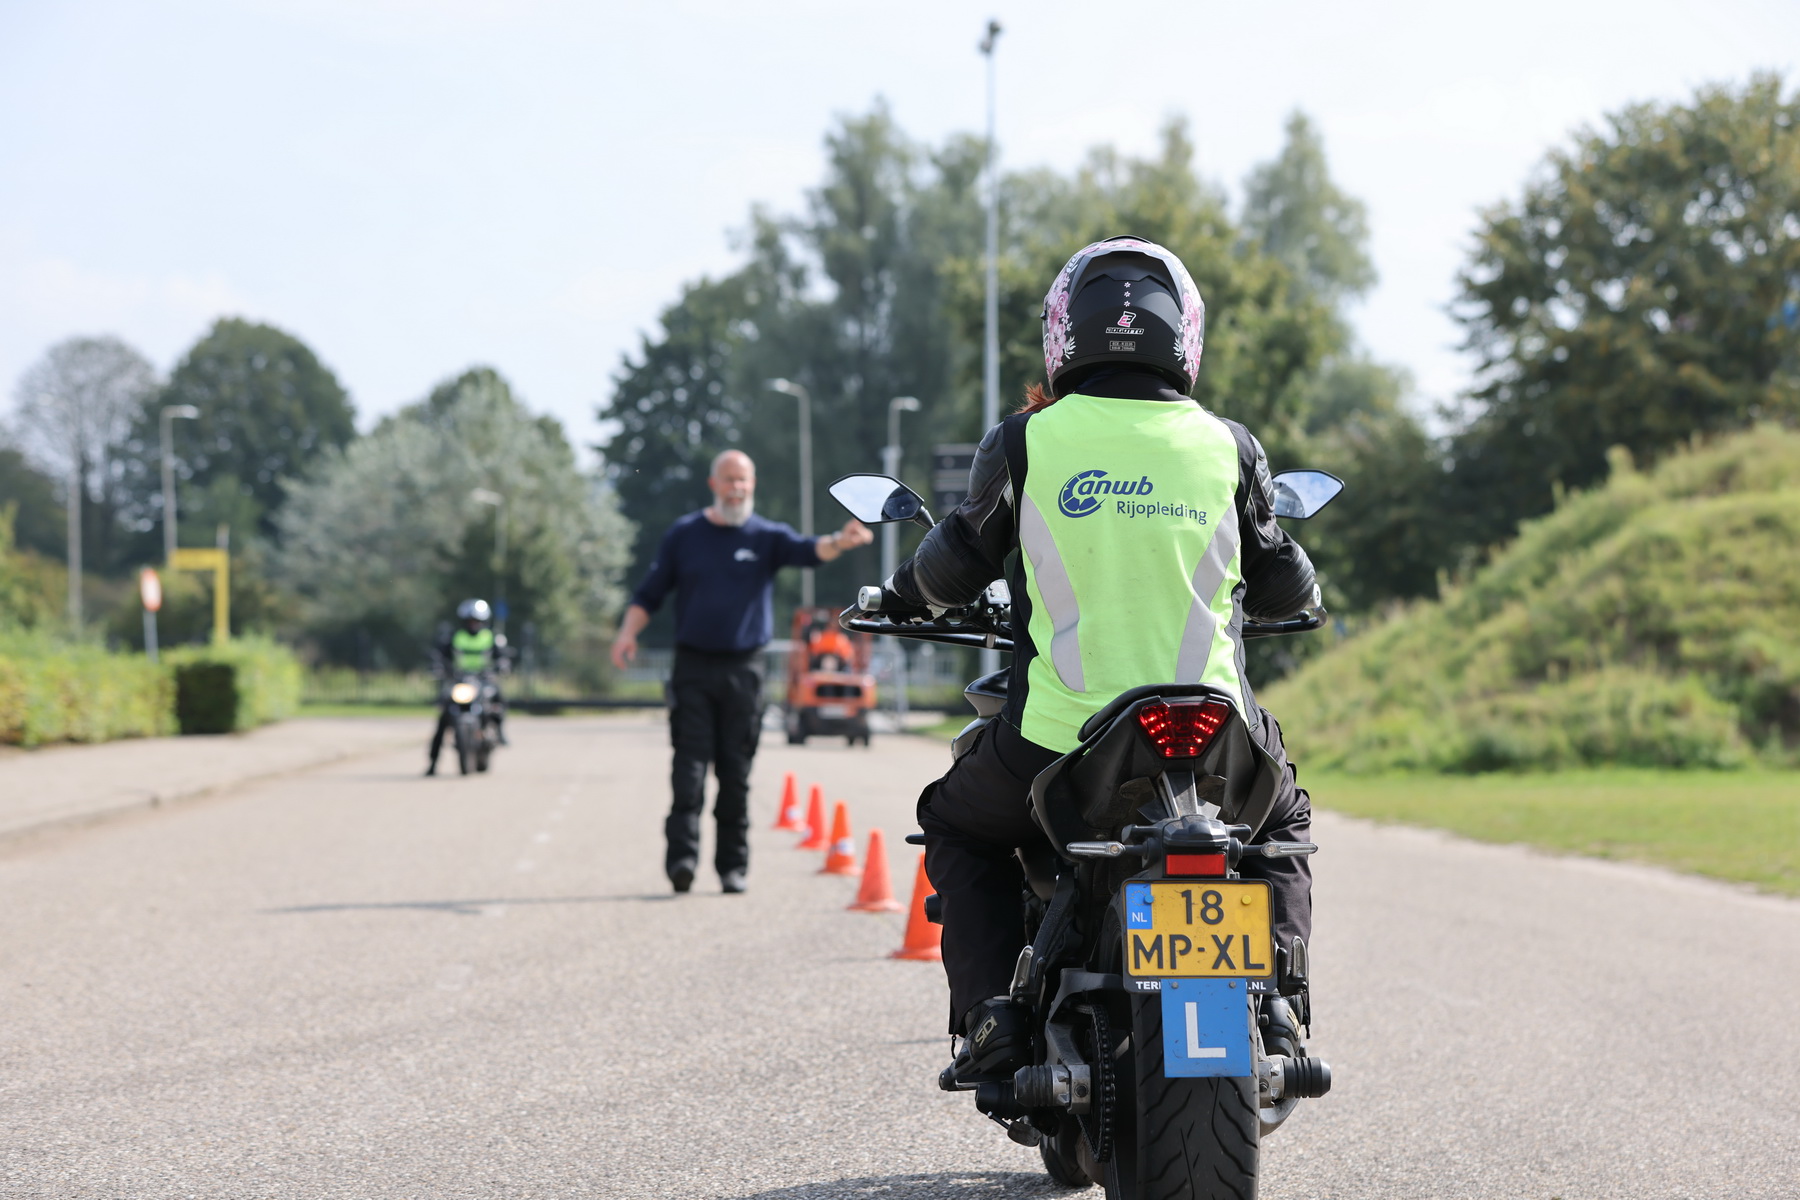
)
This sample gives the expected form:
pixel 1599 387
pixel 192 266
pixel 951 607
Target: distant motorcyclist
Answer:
pixel 471 648
pixel 1146 533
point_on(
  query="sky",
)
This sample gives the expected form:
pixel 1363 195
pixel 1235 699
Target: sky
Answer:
pixel 416 186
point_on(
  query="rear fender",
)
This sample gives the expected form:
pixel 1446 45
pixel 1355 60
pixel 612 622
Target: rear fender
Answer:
pixel 1087 793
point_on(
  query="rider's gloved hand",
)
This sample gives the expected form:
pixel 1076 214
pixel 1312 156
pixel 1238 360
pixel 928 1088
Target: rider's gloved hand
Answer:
pixel 893 601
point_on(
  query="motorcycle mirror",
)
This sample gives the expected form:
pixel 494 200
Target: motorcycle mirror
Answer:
pixel 1304 493
pixel 879 499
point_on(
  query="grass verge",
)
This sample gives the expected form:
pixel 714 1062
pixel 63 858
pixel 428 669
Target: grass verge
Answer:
pixel 1742 826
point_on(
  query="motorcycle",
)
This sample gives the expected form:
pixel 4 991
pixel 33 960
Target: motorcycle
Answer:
pixel 1167 1025
pixel 470 700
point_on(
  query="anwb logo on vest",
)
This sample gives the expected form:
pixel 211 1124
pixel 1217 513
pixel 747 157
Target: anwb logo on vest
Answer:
pixel 1085 491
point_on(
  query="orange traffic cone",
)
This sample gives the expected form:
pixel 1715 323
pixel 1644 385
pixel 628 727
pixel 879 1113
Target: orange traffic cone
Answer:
pixel 815 821
pixel 840 859
pixel 922 937
pixel 876 893
pixel 787 817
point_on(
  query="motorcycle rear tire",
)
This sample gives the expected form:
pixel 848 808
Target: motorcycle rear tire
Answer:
pixel 1176 1139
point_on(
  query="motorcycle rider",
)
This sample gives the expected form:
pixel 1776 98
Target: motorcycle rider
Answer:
pixel 1146 534
pixel 471 648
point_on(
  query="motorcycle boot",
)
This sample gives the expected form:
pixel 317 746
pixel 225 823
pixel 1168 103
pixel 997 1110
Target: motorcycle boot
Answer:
pixel 1280 1032
pixel 997 1042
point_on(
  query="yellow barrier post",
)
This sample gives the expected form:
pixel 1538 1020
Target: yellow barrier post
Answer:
pixel 219 563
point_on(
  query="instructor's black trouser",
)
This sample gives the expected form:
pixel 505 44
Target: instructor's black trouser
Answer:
pixel 715 717
pixel 977 814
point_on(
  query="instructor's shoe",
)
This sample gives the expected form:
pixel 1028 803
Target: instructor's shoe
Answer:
pixel 732 883
pixel 998 1041
pixel 431 767
pixel 682 878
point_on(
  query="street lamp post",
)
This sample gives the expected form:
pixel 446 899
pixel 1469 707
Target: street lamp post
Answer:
pixel 798 392
pixel 169 413
pixel 483 496
pixel 74 506
pixel 890 537
pixel 890 465
pixel 990 359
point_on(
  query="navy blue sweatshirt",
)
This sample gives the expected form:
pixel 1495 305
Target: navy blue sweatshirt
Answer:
pixel 723 576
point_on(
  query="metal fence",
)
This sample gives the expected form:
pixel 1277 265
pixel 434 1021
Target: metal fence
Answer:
pixel 935 678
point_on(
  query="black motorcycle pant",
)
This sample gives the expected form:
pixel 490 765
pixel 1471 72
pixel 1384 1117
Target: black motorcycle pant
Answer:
pixel 977 815
pixel 715 719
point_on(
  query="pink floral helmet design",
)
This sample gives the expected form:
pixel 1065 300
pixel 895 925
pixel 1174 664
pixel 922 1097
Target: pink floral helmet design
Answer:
pixel 1123 300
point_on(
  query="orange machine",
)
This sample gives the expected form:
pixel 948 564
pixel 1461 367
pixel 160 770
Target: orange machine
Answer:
pixel 829 688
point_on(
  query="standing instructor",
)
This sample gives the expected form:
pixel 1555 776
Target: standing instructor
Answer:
pixel 721 563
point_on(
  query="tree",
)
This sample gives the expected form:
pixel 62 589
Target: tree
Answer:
pixel 74 412
pixel 384 538
pixel 1643 290
pixel 848 300
pixel 1386 537
pixel 37 502
pixel 877 292
pixel 1297 215
pixel 268 408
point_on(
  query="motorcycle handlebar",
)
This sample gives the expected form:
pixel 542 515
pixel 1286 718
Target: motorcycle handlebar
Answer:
pixel 879 610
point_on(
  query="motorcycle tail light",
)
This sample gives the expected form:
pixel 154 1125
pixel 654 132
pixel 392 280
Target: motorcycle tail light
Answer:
pixel 1194 864
pixel 1184 728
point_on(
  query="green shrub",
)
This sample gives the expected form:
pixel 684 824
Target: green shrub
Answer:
pixel 247 682
pixel 52 691
pixel 206 697
pixel 1647 622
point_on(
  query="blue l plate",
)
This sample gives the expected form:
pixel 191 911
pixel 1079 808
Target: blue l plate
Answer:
pixel 1206 1028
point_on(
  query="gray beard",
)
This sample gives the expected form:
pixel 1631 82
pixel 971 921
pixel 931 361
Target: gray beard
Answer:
pixel 734 514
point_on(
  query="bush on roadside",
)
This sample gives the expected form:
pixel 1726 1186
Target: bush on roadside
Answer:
pixel 247 682
pixel 52 691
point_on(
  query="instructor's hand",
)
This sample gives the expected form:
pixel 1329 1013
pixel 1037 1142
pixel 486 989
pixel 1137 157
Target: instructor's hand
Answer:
pixel 624 650
pixel 853 534
pixel 624 647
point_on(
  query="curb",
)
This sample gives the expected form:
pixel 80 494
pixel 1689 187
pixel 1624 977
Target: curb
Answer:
pixel 152 799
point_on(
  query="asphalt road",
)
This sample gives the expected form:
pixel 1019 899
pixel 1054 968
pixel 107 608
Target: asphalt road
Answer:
pixel 356 982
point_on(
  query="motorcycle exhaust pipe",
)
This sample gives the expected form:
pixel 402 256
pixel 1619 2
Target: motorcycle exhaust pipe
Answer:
pixel 1296 1078
pixel 1054 1085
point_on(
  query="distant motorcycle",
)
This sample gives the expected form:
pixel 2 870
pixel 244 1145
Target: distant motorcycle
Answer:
pixel 1167 1023
pixel 469 698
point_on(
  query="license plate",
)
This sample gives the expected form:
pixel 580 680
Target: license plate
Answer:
pixel 1198 929
pixel 834 712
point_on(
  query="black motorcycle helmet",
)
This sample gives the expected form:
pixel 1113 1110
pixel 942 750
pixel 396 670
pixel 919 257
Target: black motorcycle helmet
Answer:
pixel 1123 301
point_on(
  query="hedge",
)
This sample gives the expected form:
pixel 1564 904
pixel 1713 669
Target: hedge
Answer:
pixel 56 692
pixel 249 681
